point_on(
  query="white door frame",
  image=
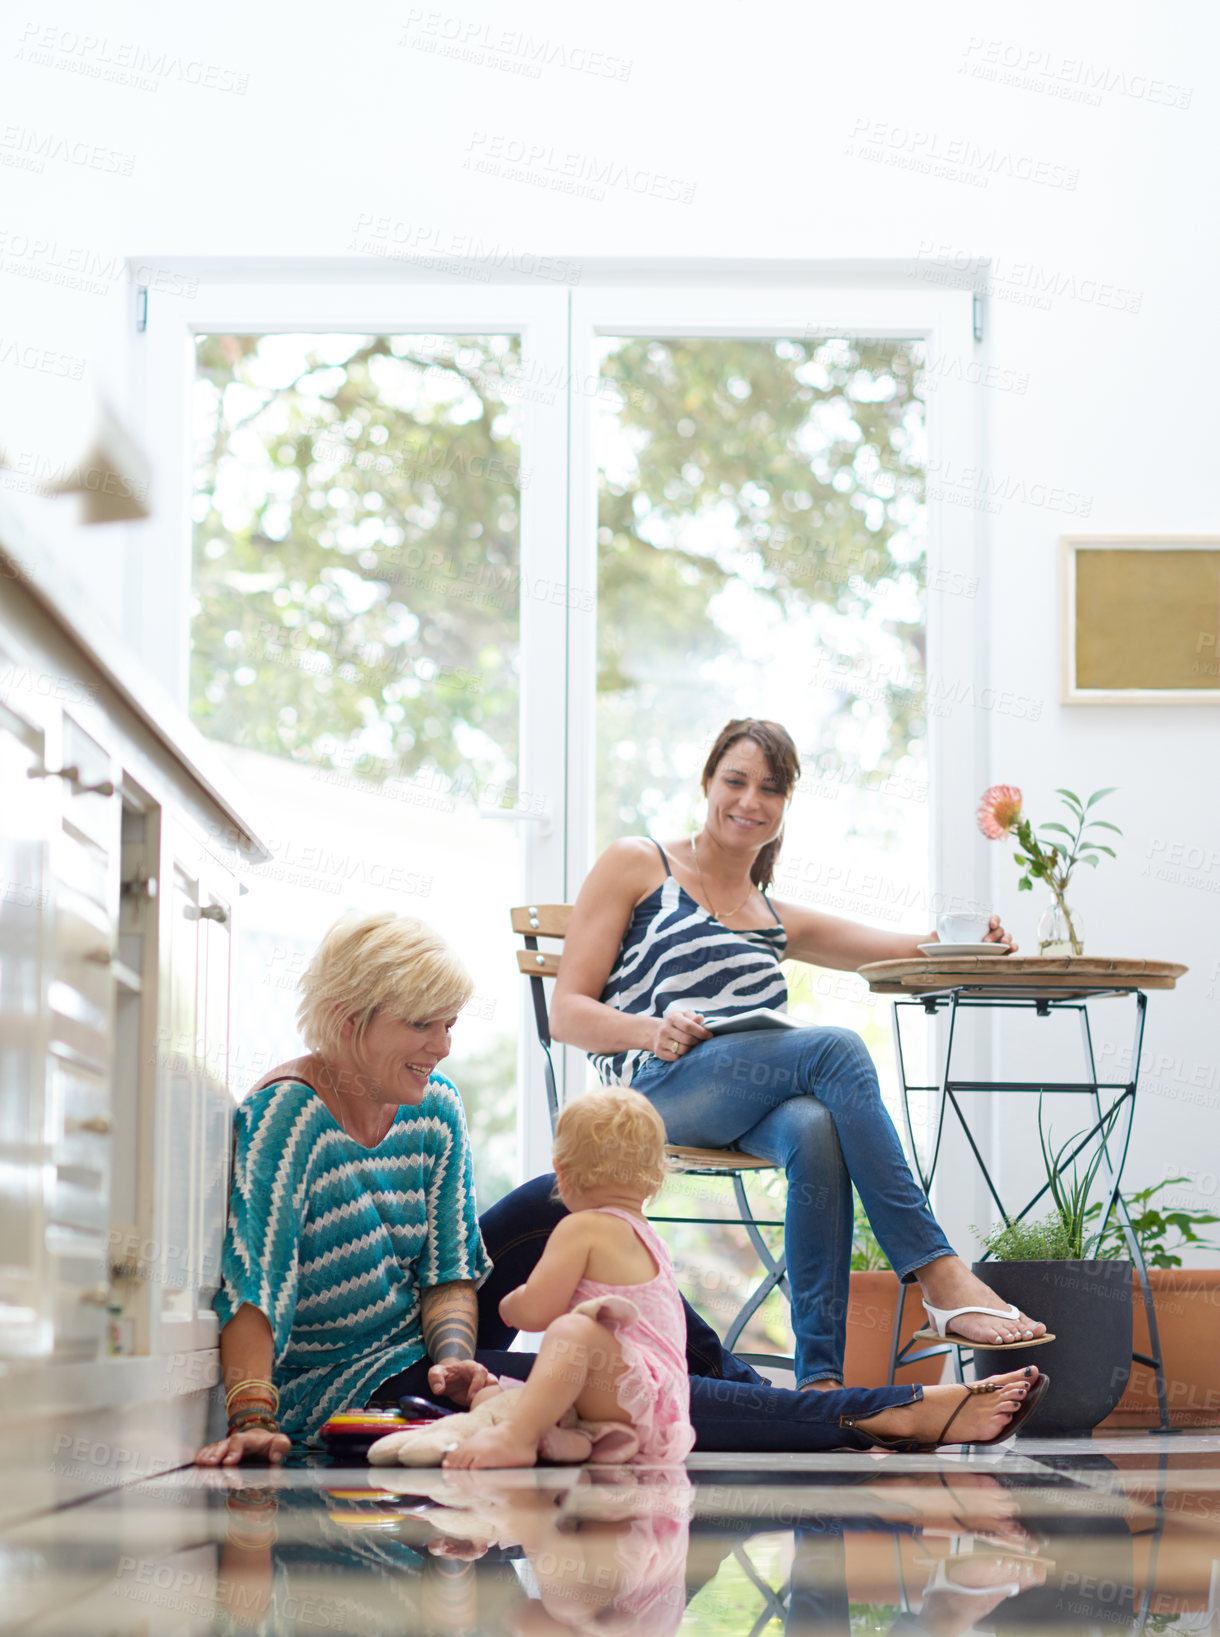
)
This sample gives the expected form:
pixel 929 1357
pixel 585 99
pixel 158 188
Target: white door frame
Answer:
pixel 286 300
pixel 558 327
pixel 731 302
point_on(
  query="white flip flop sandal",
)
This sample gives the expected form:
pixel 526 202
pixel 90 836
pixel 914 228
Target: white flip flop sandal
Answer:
pixel 942 1318
pixel 943 1581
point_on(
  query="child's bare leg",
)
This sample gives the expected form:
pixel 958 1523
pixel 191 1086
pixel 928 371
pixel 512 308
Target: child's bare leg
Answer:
pixel 578 1364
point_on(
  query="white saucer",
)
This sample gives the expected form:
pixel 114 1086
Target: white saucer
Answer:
pixel 937 950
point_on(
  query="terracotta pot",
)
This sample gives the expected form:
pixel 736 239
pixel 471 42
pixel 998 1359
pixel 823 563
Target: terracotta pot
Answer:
pixel 1187 1303
pixel 870 1323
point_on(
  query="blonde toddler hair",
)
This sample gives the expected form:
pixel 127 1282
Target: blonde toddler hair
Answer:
pixel 611 1136
pixel 378 962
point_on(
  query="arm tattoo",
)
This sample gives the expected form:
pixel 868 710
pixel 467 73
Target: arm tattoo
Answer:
pixel 450 1317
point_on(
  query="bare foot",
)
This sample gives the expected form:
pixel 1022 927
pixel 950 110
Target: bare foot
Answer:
pixel 948 1283
pixel 959 1604
pixel 827 1384
pixel 975 1503
pixel 497 1446
pixel 983 1415
pixel 976 1571
pixel 953 1503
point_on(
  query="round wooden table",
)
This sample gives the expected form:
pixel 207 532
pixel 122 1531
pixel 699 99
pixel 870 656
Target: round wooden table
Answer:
pixel 1058 977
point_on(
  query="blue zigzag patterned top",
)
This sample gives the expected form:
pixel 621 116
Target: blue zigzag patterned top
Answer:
pixel 674 951
pixel 334 1242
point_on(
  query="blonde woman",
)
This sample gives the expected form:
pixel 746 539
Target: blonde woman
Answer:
pixel 353 1243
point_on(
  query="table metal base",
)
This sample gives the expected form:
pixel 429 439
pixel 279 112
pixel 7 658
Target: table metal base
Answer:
pixel 1120 1101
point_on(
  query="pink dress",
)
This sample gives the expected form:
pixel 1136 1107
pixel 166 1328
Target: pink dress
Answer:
pixel 650 1327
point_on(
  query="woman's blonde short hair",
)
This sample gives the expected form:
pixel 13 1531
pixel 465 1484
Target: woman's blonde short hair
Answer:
pixel 371 963
pixel 609 1136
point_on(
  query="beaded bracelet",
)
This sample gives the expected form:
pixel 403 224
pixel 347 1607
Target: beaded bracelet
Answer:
pixel 244 1420
pixel 240 1420
pixel 256 1401
pixel 250 1529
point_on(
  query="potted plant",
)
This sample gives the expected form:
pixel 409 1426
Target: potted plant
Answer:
pixel 1187 1306
pixel 1051 1268
pixel 1060 931
pixel 870 1315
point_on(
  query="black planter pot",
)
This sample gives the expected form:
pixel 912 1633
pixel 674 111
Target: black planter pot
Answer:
pixel 1087 1305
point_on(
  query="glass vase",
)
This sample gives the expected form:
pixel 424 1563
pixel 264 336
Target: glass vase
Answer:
pixel 1060 931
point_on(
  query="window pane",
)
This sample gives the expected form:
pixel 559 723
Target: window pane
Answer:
pixel 355 653
pixel 761 553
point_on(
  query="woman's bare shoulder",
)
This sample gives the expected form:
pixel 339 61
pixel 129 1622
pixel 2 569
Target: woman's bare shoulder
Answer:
pixel 300 1068
pixel 642 848
pixel 630 866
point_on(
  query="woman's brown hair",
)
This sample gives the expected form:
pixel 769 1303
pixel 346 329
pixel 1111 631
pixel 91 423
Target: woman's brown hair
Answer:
pixel 776 745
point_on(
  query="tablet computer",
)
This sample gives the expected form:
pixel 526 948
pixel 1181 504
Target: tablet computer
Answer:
pixel 761 1018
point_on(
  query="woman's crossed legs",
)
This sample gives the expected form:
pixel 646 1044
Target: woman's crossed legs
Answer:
pixel 809 1100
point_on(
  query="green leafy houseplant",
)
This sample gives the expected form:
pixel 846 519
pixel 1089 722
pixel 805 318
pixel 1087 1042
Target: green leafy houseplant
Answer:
pixel 1063 1234
pixel 1042 1239
pixel 1046 1240
pixel 1152 1228
pixel 1048 859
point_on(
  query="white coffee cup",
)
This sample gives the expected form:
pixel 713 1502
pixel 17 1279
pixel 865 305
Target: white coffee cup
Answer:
pixel 961 927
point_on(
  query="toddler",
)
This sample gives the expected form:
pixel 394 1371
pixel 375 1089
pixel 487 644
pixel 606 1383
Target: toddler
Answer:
pixel 604 1292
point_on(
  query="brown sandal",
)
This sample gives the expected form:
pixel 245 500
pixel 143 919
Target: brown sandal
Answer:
pixel 912 1446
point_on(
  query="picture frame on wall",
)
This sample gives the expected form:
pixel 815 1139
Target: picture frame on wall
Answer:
pixel 1140 619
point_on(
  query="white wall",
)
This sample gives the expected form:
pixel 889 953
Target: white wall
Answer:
pixel 341 132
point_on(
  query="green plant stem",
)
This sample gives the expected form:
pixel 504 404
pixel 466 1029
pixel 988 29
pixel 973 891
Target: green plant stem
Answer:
pixel 1043 868
pixel 1077 946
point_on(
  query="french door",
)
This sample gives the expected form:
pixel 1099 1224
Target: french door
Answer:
pixel 562 394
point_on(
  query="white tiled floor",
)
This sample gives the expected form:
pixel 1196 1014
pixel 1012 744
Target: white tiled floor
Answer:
pixel 1072 1535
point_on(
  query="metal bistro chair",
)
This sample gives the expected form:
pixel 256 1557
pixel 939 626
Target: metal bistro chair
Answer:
pixel 534 921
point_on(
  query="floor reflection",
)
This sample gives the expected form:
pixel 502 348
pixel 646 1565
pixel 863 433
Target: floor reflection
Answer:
pixel 1063 1538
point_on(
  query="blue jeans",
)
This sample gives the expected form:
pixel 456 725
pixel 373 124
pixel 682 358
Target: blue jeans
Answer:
pixel 809 1100
pixel 731 1406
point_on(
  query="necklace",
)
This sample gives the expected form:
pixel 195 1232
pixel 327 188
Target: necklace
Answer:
pixel 723 919
pixel 379 1138
pixel 337 1094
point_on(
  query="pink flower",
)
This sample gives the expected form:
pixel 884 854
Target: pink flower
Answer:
pixel 999 810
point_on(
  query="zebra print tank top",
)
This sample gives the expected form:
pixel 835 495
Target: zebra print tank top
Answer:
pixel 673 950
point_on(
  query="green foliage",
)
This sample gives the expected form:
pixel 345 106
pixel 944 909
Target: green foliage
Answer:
pixel 356 557
pixel 356 574
pixel 867 1619
pixel 1043 1240
pixel 1059 1236
pixel 1053 861
pixel 791 468
pixel 1152 1228
pixel 866 1253
pixel 1072 1198
pixel 487 1083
